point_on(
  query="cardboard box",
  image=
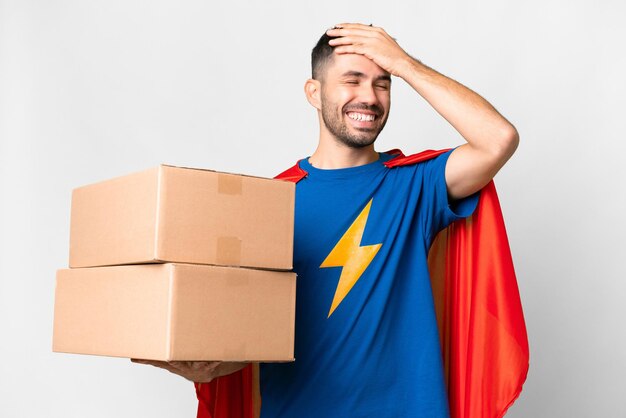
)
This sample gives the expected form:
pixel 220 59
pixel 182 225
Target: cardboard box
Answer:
pixel 175 312
pixel 185 215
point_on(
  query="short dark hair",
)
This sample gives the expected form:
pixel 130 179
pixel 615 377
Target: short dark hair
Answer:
pixel 321 55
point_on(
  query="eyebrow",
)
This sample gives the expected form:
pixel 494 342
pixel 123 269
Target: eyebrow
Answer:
pixel 359 74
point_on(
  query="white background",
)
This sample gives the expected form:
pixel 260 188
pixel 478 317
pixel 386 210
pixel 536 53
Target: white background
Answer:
pixel 95 89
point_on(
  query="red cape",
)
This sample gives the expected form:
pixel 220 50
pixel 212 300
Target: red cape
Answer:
pixel 481 323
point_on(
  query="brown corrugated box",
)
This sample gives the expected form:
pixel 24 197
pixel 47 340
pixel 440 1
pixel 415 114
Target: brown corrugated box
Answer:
pixel 175 312
pixel 185 215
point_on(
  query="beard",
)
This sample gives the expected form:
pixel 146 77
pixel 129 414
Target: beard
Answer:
pixel 350 136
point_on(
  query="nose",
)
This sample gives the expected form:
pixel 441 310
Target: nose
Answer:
pixel 367 94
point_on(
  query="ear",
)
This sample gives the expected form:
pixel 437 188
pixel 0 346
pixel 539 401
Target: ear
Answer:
pixel 312 89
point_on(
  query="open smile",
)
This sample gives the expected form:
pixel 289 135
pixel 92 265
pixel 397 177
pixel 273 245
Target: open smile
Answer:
pixel 361 117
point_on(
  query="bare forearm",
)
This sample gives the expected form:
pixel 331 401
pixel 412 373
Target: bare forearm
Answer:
pixel 491 139
pixel 472 116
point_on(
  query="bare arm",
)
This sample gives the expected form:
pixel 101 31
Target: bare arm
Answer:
pixel 491 139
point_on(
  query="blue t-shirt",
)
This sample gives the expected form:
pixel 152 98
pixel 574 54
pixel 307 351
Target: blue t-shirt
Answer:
pixel 367 343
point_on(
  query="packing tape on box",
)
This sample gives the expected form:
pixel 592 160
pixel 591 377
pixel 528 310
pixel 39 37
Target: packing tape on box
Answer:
pixel 229 184
pixel 228 251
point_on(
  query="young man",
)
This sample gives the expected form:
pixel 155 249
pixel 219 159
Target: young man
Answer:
pixel 366 335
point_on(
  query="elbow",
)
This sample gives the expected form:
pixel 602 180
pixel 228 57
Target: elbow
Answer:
pixel 508 142
pixel 513 139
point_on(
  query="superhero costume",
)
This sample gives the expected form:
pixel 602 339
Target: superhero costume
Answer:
pixel 481 326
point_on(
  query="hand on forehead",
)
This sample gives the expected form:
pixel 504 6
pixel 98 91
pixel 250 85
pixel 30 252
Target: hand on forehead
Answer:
pixel 370 41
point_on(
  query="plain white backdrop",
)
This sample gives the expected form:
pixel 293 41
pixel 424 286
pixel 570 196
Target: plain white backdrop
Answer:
pixel 95 89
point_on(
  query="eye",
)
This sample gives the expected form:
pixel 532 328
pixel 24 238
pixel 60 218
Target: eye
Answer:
pixel 352 82
pixel 382 86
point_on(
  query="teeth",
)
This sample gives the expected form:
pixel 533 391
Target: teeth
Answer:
pixel 361 116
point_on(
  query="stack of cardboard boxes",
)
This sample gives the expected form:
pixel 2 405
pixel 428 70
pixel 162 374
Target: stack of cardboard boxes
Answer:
pixel 179 264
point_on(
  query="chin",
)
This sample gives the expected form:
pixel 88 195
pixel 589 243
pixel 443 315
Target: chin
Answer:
pixel 358 142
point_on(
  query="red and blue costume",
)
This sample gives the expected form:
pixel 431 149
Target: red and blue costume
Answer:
pixel 478 312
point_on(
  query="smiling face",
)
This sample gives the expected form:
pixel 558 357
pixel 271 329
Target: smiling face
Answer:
pixel 355 99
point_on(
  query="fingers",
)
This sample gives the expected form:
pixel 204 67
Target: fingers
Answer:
pixel 193 367
pixel 344 29
pixel 348 25
pixel 230 367
pixel 351 49
pixel 195 371
pixel 347 45
pixel 356 38
pixel 347 40
pixel 350 45
pixel 344 33
pixel 160 364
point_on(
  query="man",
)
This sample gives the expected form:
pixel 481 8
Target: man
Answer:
pixel 366 335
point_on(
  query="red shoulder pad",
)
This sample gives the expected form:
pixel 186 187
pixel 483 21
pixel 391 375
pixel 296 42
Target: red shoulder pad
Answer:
pixel 400 159
pixel 294 174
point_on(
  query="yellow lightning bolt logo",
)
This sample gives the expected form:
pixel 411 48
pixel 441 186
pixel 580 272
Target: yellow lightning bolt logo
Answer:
pixel 349 254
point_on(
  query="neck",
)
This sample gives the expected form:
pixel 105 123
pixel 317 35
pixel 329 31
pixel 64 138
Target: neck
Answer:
pixel 331 154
